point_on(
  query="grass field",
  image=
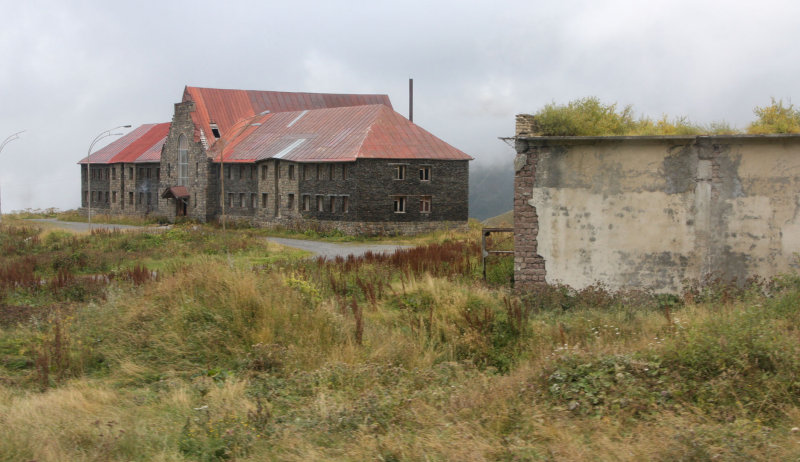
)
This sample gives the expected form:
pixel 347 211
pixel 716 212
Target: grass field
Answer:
pixel 194 344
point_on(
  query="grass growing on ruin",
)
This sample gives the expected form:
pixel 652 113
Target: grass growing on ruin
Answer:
pixel 409 357
pixel 591 117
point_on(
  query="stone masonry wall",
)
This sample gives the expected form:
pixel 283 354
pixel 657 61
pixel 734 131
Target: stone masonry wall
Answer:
pixel 529 266
pixel 376 188
pixel 199 182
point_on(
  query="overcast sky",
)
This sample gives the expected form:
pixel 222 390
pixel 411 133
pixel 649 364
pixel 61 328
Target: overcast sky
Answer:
pixel 71 69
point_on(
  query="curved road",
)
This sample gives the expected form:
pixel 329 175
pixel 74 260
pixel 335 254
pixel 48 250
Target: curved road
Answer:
pixel 332 250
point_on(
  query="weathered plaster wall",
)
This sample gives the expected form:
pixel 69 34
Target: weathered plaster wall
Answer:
pixel 653 212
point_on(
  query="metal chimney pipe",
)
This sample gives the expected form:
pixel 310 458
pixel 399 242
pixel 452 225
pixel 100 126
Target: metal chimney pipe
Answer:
pixel 411 100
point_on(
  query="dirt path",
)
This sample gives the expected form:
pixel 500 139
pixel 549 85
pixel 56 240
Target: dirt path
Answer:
pixel 332 250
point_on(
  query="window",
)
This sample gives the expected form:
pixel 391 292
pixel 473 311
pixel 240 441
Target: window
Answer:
pixel 333 204
pixel 306 202
pixel 85 197
pixel 263 200
pixel 264 170
pixel 252 172
pixel 130 172
pixel 304 172
pixel 290 202
pixel 149 198
pixel 253 200
pixel 400 204
pixel 230 199
pixel 331 169
pixel 214 130
pixel 345 204
pixel 107 197
pixel 149 172
pixel 320 206
pixel 158 173
pixel 425 204
pixel 194 204
pixel 113 173
pixel 425 173
pixel 197 168
pixel 344 171
pixel 114 197
pixel 318 173
pixel 130 197
pixel 183 161
pixel 399 172
pixel 229 171
pixel 291 172
pixel 241 172
pixel 241 200
pixel 141 172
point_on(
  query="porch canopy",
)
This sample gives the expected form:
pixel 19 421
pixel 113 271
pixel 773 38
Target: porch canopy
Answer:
pixel 176 192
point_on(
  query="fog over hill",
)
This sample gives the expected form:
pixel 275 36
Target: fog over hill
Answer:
pixel 491 188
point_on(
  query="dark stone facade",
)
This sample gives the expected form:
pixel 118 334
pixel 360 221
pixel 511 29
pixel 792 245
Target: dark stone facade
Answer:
pixel 361 197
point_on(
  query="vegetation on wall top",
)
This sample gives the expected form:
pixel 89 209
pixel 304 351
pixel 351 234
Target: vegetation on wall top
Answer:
pixel 591 117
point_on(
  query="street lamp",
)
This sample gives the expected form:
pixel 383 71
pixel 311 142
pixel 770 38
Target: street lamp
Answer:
pixel 99 137
pixel 11 138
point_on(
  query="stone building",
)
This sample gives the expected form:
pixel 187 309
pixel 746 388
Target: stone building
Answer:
pixel 347 162
pixel 654 211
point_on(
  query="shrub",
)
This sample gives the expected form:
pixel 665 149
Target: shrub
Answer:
pixel 775 118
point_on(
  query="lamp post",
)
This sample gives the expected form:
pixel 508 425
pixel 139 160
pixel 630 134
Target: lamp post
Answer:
pixel 11 138
pixel 99 137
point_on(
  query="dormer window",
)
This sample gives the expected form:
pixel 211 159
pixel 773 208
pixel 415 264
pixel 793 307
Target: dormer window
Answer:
pixel 215 130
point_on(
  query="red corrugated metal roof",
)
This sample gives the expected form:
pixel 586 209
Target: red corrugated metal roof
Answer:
pixel 336 135
pixel 226 108
pixel 142 144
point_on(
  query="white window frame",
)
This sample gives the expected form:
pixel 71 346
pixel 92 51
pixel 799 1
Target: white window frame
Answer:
pixel 399 204
pixel 425 173
pixel 425 204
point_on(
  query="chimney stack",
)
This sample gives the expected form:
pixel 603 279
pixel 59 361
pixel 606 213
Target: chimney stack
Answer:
pixel 411 100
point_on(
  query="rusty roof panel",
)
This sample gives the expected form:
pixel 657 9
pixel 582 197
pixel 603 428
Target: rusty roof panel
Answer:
pixel 228 108
pixel 142 140
pixel 337 135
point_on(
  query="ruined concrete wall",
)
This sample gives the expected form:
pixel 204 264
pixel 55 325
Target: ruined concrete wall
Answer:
pixel 654 212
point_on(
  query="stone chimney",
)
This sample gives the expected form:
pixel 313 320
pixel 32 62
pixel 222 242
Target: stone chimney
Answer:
pixel 526 124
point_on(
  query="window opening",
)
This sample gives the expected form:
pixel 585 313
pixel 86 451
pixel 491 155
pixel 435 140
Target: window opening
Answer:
pixel 425 204
pixel 183 161
pixel 214 130
pixel 400 204
pixel 425 174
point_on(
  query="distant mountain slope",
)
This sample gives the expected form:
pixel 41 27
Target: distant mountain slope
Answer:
pixel 503 220
pixel 491 188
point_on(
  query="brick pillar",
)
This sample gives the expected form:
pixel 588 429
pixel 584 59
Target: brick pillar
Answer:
pixel 529 269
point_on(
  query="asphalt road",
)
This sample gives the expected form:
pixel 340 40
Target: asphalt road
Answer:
pixel 332 250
